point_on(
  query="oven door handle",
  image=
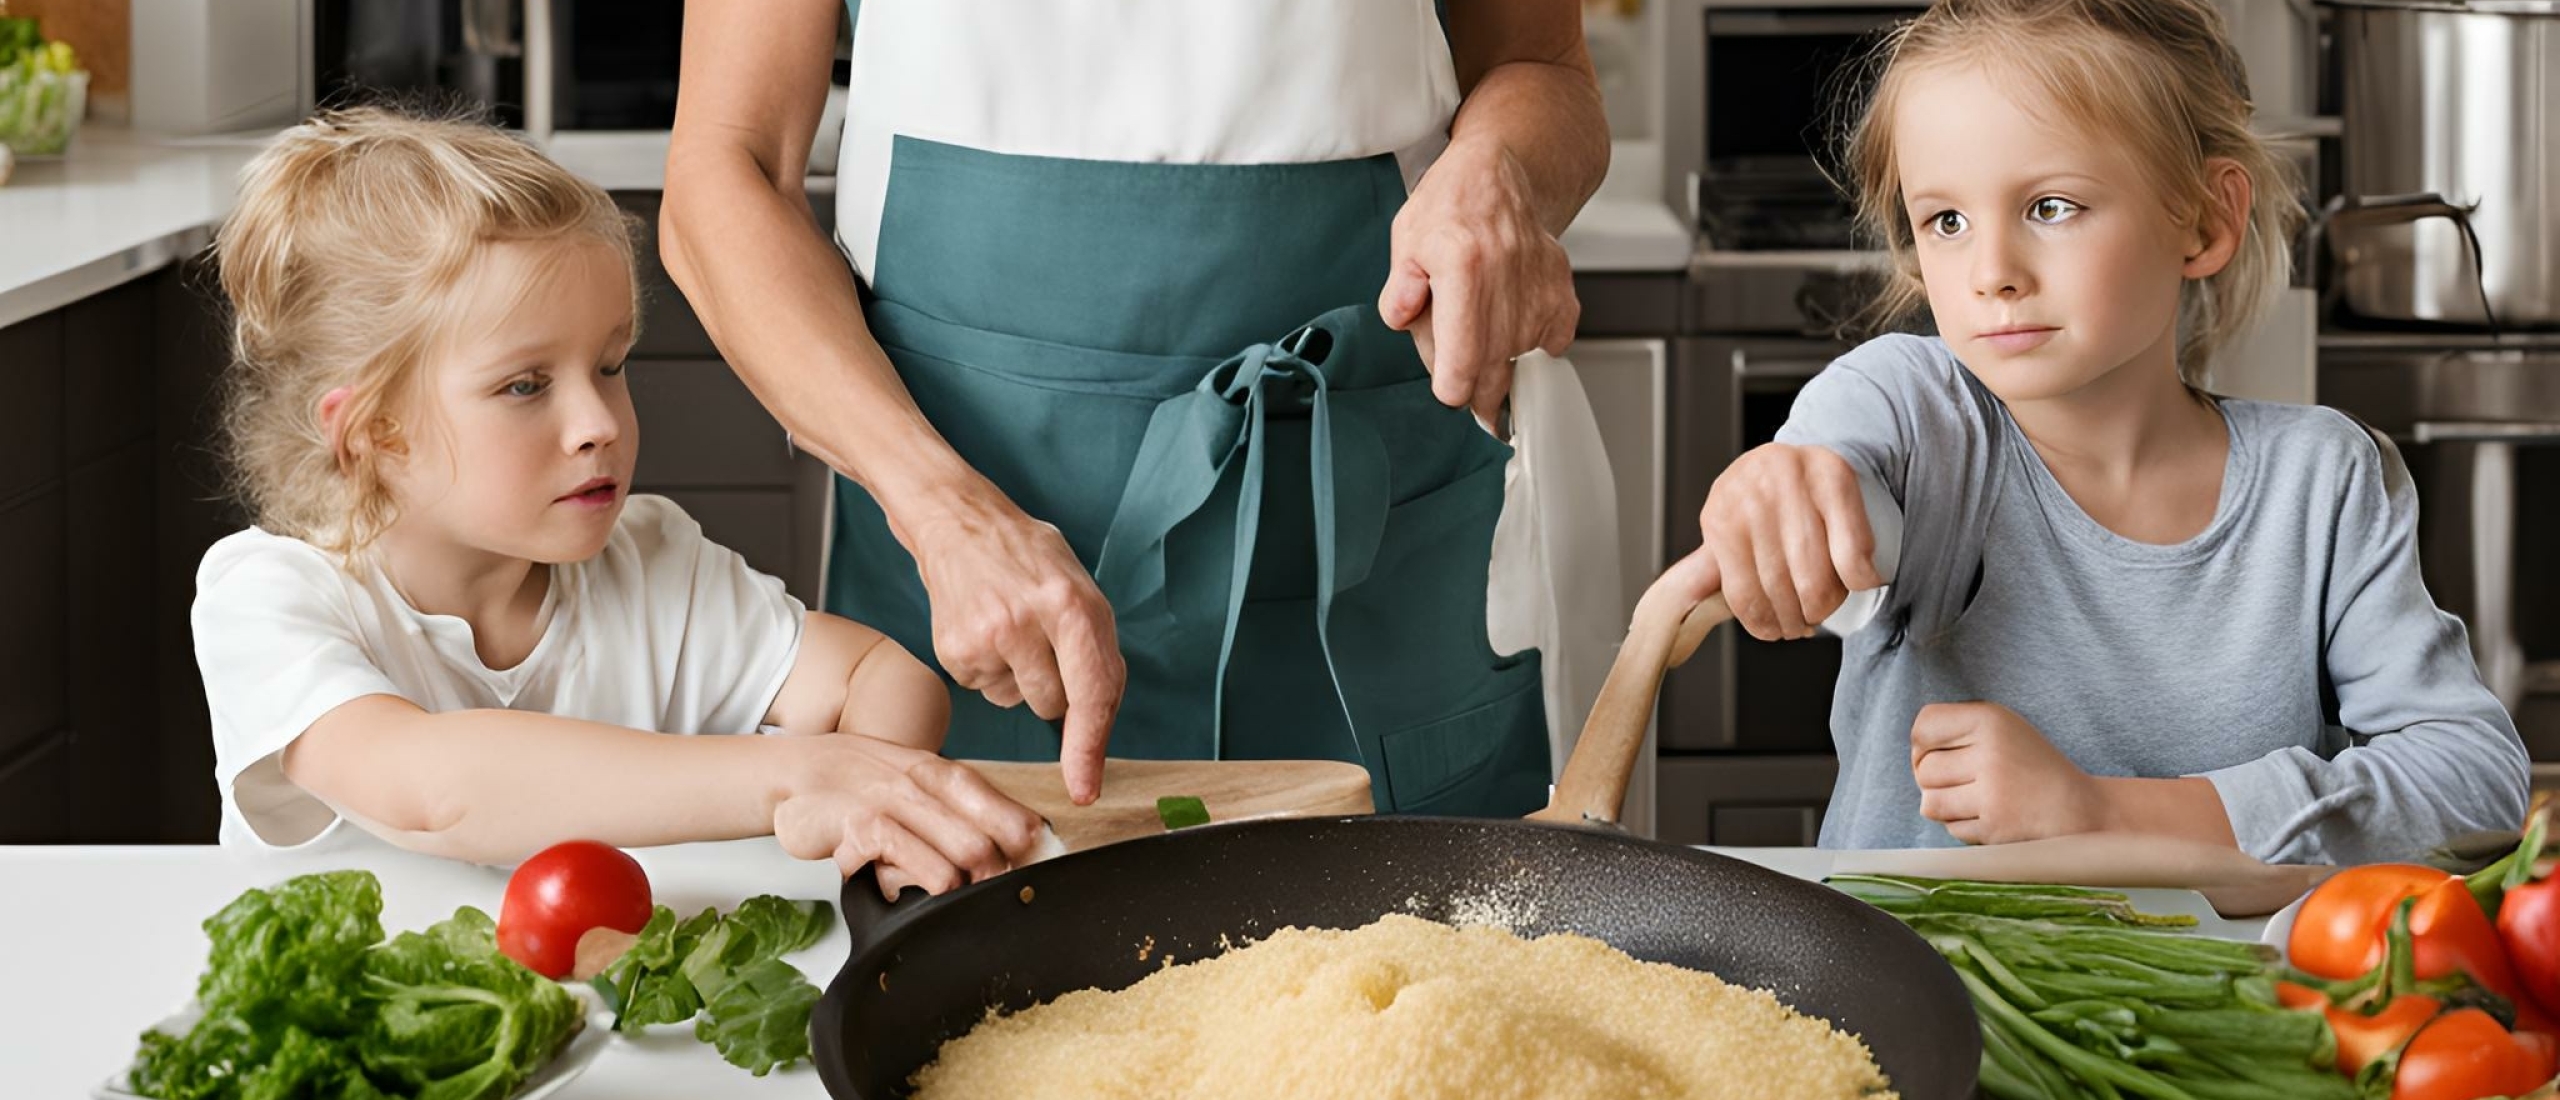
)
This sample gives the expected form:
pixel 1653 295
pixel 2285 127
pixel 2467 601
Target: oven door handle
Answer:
pixel 2484 431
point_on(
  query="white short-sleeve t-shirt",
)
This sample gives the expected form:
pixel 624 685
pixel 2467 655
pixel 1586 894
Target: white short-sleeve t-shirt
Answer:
pixel 664 630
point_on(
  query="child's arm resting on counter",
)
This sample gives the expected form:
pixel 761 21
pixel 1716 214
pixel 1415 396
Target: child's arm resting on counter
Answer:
pixel 497 785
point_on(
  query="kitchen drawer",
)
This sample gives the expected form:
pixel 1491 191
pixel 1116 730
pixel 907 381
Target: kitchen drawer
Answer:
pixel 113 682
pixel 1767 801
pixel 700 427
pixel 30 405
pixel 33 609
pixel 1627 304
pixel 107 371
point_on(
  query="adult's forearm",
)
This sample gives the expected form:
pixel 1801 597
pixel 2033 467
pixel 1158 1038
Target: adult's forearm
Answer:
pixel 1547 116
pixel 780 303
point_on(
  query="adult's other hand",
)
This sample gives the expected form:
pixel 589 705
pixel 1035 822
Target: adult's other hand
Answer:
pixel 1476 277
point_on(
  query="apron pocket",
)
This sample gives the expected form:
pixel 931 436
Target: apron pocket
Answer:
pixel 1490 761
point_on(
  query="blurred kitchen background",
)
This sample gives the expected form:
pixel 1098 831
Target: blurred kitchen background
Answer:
pixel 1716 270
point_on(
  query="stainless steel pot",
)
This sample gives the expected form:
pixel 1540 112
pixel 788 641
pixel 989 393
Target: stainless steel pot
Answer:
pixel 2458 103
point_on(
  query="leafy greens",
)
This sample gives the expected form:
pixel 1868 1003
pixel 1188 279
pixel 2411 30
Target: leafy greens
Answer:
pixel 725 974
pixel 302 997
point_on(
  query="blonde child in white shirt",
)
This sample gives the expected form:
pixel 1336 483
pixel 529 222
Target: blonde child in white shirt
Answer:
pixel 452 626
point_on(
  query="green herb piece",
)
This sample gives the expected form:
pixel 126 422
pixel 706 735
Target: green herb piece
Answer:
pixel 1181 812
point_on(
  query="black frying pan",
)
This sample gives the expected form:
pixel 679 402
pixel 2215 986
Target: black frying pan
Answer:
pixel 926 970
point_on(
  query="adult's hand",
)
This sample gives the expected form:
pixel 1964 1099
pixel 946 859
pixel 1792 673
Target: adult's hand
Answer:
pixel 1017 619
pixel 925 820
pixel 1476 277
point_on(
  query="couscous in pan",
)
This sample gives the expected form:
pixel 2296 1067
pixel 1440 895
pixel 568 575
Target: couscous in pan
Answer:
pixel 927 970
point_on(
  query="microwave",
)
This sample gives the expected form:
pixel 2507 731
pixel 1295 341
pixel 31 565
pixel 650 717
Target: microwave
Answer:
pixel 1755 91
pixel 536 65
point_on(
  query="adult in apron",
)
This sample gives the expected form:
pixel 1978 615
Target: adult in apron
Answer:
pixel 1123 255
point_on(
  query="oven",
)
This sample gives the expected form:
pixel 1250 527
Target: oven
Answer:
pixel 1751 89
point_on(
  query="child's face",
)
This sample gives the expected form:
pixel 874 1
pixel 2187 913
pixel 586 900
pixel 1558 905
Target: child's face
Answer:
pixel 526 448
pixel 2049 261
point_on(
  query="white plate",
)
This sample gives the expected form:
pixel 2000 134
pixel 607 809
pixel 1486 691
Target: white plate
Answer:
pixel 2280 926
pixel 566 1066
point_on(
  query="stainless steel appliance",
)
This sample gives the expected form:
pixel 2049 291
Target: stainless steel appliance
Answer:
pixel 2476 418
pixel 2452 113
pixel 2444 281
pixel 1750 90
pixel 540 65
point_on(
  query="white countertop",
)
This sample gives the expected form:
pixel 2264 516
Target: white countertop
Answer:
pixel 115 208
pixel 105 941
pixel 121 205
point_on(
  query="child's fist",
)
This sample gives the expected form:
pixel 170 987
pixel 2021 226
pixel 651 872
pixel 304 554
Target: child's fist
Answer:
pixel 1992 778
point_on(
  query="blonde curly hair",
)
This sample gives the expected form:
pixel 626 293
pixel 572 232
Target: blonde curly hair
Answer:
pixel 340 263
pixel 2158 77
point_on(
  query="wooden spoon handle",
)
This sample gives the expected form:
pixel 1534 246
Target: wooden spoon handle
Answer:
pixel 1667 629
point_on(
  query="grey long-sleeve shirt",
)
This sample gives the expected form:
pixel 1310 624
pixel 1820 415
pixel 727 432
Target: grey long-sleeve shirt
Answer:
pixel 2289 653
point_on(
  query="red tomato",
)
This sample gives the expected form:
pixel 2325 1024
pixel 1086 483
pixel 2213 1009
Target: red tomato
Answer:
pixel 2529 927
pixel 2465 1055
pixel 561 893
pixel 2339 932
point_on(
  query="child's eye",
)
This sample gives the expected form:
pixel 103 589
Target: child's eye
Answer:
pixel 527 387
pixel 612 371
pixel 2051 210
pixel 1946 223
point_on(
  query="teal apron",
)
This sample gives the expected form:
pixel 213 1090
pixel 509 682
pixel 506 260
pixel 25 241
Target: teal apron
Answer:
pixel 1176 365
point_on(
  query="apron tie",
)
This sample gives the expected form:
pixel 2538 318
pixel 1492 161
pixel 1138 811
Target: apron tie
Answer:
pixel 1213 439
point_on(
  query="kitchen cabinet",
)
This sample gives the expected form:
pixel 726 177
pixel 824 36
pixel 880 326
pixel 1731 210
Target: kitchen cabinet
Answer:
pixel 1748 801
pixel 85 753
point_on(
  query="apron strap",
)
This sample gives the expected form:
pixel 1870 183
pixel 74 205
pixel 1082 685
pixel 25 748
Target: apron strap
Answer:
pixel 1215 435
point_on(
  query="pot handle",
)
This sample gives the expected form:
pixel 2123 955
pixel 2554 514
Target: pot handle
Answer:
pixel 2396 210
pixel 867 916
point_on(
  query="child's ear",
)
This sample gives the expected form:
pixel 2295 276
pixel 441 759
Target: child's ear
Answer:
pixel 331 404
pixel 2223 223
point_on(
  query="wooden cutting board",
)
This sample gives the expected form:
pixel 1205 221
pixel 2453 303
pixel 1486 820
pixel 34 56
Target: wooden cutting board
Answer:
pixel 1231 789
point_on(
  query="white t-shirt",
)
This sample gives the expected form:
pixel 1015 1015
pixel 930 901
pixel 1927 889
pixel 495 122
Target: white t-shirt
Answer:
pixel 664 630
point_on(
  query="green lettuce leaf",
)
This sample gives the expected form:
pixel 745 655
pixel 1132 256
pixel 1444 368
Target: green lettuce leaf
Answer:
pixel 291 954
pixel 647 985
pixel 302 1000
pixel 760 1017
pixel 457 1020
pixel 728 970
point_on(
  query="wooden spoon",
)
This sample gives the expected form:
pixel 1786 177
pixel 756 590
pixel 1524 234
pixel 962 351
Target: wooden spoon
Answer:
pixel 1666 629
